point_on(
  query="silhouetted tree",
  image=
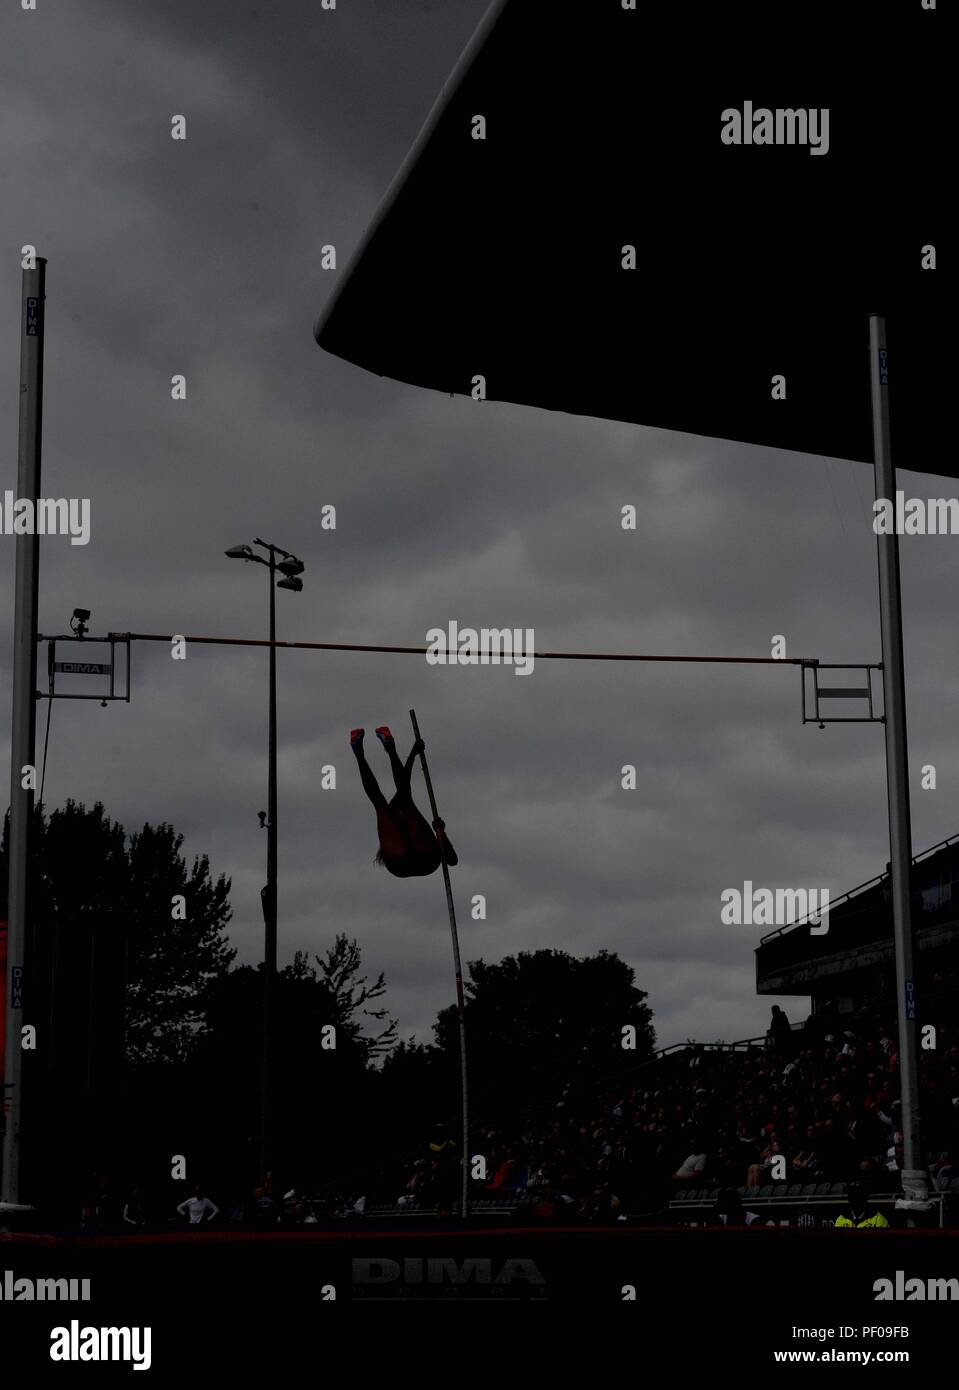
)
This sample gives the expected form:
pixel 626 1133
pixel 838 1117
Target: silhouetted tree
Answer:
pixel 540 1022
pixel 321 1086
pixel 114 982
pixel 412 1096
pixel 172 961
pixel 339 969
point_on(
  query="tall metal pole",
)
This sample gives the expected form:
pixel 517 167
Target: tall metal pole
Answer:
pixel 460 1002
pixel 914 1178
pixel 23 740
pixel 269 900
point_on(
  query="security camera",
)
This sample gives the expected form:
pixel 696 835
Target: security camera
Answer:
pixel 262 816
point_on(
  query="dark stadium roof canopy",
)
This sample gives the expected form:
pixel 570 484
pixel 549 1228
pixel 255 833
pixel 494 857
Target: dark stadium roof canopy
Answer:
pixel 503 257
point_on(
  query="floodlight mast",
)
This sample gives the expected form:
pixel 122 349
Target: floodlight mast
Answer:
pixel 291 567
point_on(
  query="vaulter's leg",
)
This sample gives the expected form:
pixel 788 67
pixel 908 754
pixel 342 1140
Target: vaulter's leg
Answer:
pixel 370 784
pixel 402 772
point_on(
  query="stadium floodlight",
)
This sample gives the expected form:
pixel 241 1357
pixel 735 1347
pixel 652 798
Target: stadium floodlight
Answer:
pixel 290 567
pixel 79 621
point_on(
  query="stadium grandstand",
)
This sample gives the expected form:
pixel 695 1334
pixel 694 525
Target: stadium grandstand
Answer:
pixel 702 1123
pixel 851 966
pixel 695 1133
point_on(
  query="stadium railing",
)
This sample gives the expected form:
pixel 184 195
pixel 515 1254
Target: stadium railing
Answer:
pixel 790 1195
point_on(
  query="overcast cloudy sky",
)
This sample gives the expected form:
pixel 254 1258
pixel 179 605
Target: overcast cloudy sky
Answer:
pixel 202 257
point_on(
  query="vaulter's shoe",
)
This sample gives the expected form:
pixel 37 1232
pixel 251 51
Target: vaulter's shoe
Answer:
pixel 356 738
pixel 384 735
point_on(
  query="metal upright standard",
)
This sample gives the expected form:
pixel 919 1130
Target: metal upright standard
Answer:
pixel 914 1178
pixel 460 1002
pixel 23 741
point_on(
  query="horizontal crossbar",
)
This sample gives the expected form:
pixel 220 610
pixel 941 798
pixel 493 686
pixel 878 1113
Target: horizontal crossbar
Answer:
pixel 421 651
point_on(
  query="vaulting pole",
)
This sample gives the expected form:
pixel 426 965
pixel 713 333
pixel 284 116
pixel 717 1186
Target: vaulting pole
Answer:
pixel 24 726
pixel 460 1003
pixel 914 1177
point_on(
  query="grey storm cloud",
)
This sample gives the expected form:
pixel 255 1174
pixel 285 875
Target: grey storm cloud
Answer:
pixel 201 257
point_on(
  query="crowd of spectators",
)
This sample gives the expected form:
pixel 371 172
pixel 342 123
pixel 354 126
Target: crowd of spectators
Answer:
pixel 823 1099
pixel 808 1105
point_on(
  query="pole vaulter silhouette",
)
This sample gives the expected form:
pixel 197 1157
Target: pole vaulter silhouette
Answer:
pixel 409 847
